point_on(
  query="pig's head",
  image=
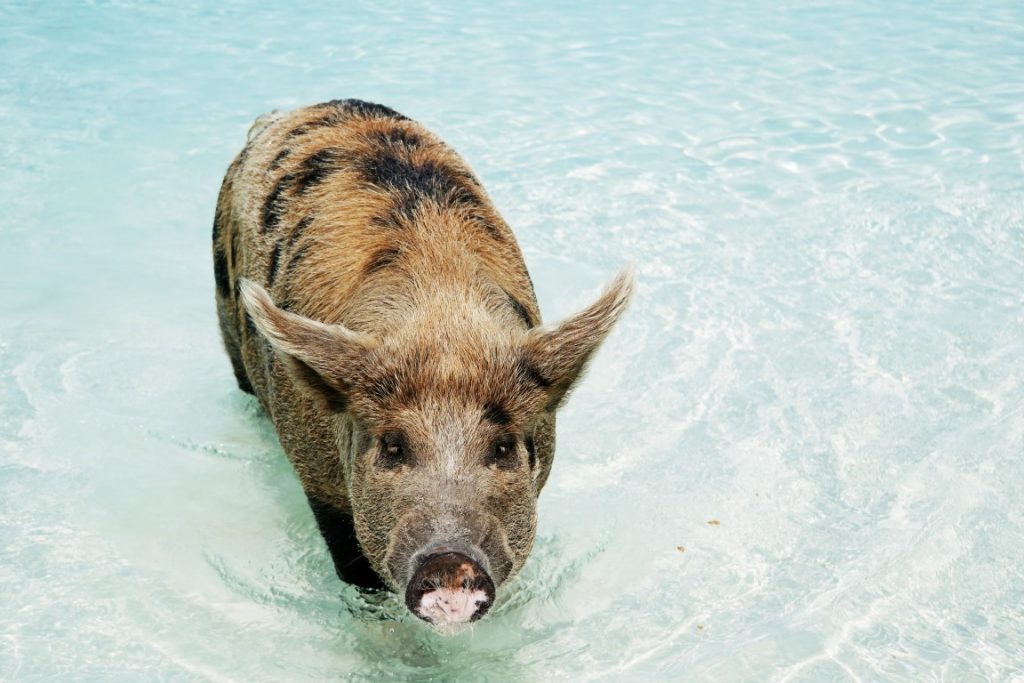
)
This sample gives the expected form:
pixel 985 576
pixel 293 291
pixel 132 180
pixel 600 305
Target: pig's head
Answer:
pixel 445 430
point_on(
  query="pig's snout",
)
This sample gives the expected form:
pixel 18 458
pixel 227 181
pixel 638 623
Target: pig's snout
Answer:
pixel 449 589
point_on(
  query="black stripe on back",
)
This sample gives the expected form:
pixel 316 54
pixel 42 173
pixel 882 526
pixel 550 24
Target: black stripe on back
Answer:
pixel 275 257
pixel 382 259
pixel 396 136
pixel 415 182
pixel 340 111
pixel 276 203
pixel 297 258
pixel 363 109
pixel 281 156
pixel 315 169
pixel 401 213
pixel 300 227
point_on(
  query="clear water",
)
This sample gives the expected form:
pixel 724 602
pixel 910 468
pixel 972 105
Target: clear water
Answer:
pixel 799 458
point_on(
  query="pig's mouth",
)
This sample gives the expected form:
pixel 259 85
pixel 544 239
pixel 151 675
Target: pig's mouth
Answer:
pixel 449 589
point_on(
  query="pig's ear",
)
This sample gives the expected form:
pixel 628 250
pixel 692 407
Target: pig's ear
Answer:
pixel 555 358
pixel 319 356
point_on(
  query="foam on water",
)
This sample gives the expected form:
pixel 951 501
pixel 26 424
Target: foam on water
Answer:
pixel 825 357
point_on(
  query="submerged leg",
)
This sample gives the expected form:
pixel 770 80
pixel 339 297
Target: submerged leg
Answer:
pixel 340 535
pixel 240 376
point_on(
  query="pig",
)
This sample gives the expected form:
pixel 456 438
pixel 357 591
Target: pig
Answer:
pixel 372 298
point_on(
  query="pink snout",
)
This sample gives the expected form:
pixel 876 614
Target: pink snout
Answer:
pixel 449 589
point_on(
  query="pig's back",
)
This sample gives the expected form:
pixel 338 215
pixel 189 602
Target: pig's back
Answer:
pixel 324 205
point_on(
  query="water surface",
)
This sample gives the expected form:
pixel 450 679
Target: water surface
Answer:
pixel 825 358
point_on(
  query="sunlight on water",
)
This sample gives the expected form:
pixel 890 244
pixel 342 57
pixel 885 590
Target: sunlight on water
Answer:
pixel 799 458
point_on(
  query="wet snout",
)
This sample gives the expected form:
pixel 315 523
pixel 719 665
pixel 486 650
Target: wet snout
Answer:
pixel 449 588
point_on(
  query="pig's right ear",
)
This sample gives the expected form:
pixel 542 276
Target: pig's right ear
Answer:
pixel 319 356
pixel 554 359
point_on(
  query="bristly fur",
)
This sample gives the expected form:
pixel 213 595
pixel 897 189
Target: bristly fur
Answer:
pixel 395 301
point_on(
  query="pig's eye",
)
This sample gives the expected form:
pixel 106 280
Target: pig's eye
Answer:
pixel 503 453
pixel 394 451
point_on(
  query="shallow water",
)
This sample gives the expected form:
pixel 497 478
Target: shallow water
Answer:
pixel 798 459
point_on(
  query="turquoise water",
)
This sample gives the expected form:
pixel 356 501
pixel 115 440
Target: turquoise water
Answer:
pixel 825 203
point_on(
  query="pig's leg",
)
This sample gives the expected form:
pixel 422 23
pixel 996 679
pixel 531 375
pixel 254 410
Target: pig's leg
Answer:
pixel 340 535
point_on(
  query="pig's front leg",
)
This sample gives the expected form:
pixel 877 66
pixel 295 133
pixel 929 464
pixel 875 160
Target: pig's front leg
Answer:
pixel 340 535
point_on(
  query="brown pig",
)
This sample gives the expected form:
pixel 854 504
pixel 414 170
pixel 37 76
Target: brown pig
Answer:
pixel 372 298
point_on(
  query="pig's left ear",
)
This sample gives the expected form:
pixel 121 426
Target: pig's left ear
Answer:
pixel 322 358
pixel 556 358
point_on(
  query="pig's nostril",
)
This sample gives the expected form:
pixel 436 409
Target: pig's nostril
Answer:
pixel 449 589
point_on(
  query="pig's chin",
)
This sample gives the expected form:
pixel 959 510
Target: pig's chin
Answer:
pixel 449 589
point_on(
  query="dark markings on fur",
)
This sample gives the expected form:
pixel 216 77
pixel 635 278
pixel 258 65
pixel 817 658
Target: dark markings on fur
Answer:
pixel 397 137
pixel 383 388
pixel 297 258
pixel 520 310
pixel 497 415
pixel 281 156
pixel 363 109
pixel 340 111
pixel 414 182
pixel 529 373
pixel 220 273
pixel 340 536
pixel 401 214
pixel 233 254
pixel 275 257
pixel 300 227
pixel 218 220
pixel 469 178
pixel 382 259
pixel 333 117
pixel 531 450
pixel 250 326
pixel 411 183
pixel 323 122
pixel 317 167
pixel 245 152
pixel 490 228
pixel 276 203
